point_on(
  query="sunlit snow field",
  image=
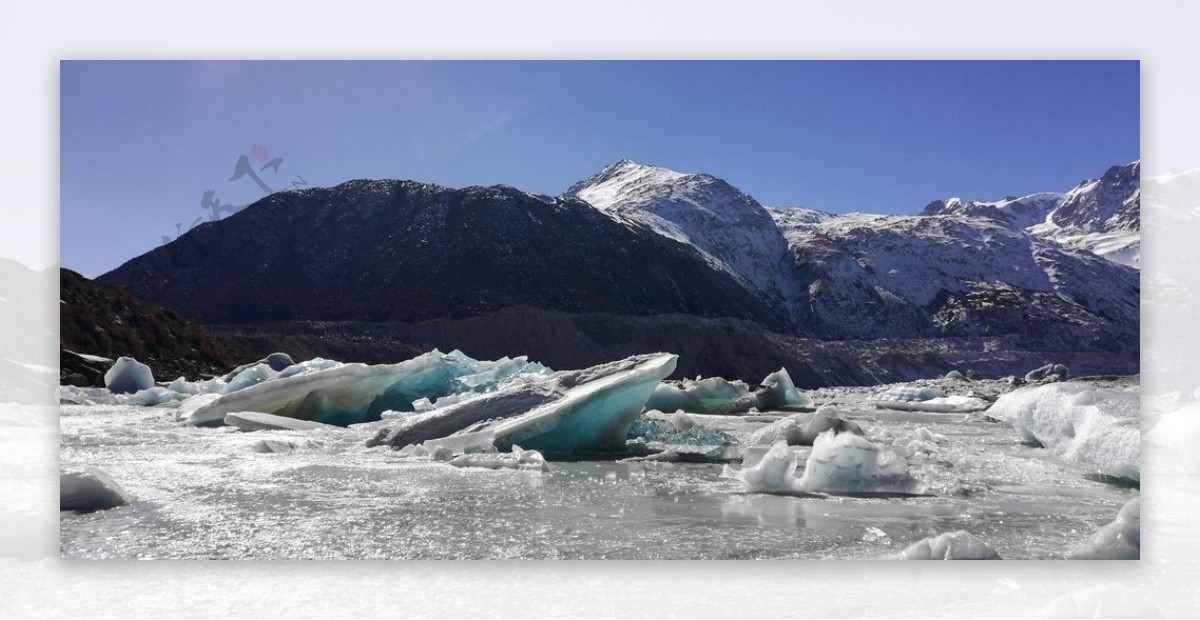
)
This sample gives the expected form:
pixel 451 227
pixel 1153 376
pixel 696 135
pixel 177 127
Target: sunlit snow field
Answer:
pixel 206 493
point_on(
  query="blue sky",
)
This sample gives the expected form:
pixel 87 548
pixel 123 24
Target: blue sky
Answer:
pixel 142 142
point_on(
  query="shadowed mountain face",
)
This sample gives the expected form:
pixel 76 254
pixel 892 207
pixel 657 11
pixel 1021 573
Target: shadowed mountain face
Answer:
pixel 104 321
pixel 635 248
pixel 406 251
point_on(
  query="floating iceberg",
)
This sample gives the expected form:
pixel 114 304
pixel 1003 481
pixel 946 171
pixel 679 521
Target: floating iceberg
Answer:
pixel 840 463
pixel 958 545
pixel 415 428
pixel 589 409
pixel 343 394
pixel 717 396
pixel 1097 427
pixel 594 413
pixel 848 463
pixel 127 376
pixel 798 430
pixel 1119 540
pixel 86 492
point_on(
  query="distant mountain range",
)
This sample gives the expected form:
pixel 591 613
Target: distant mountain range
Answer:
pixel 620 262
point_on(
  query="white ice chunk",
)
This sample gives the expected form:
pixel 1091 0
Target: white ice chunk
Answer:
pixel 848 463
pixel 798 430
pixel 517 459
pixel 254 421
pixel 909 393
pixel 775 472
pixel 958 545
pixel 1119 540
pixel 127 376
pixel 1097 427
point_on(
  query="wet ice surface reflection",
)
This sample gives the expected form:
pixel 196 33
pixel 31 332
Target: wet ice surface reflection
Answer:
pixel 206 493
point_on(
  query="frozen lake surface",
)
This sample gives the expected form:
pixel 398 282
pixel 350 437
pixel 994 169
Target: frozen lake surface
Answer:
pixel 207 493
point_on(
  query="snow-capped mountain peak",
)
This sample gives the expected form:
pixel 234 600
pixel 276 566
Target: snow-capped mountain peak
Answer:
pixel 731 230
pixel 620 180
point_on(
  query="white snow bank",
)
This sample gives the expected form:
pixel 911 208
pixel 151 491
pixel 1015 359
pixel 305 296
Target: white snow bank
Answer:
pixel 958 545
pixel 1096 427
pixel 848 463
pixel 127 376
pixel 89 491
pixel 717 396
pixel 1119 540
pixel 1109 600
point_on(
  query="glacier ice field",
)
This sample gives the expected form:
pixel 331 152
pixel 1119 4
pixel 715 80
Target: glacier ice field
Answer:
pixel 447 457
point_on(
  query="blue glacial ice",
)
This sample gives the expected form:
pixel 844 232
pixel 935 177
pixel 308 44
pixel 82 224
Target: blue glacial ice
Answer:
pixel 343 394
pixel 593 412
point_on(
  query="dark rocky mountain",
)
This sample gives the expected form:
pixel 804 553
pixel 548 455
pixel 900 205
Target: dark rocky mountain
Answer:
pixel 639 259
pixel 97 320
pixel 407 251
